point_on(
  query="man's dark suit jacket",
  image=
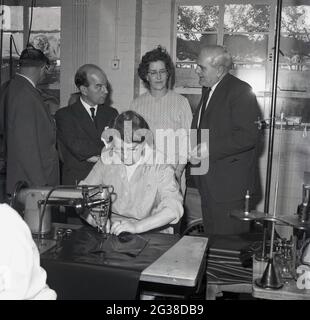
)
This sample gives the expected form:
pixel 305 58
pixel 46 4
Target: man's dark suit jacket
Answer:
pixel 80 139
pixel 233 141
pixel 31 136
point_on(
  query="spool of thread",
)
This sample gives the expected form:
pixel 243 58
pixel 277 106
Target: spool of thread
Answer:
pixel 247 202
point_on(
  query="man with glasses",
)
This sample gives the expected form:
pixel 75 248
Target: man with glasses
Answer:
pixel 28 127
pixel 79 126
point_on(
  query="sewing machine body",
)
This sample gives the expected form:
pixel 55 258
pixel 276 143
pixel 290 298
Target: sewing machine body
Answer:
pixel 38 201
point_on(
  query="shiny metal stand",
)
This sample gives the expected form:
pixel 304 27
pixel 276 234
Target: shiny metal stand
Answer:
pixel 271 277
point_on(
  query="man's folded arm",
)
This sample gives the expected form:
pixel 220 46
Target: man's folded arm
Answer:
pixel 82 149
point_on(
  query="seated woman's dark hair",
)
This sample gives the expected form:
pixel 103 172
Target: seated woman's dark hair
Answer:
pixel 158 54
pixel 130 120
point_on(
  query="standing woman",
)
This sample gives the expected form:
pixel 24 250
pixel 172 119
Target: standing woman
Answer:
pixel 160 106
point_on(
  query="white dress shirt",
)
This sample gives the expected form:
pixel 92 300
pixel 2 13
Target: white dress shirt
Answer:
pixel 87 108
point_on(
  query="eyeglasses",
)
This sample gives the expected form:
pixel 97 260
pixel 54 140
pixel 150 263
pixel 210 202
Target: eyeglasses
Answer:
pixel 154 73
pixel 128 150
pixel 100 87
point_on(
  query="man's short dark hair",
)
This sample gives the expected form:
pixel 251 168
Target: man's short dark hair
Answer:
pixel 80 78
pixel 32 57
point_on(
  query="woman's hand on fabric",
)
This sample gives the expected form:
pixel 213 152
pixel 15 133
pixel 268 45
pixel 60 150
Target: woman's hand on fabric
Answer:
pixel 120 226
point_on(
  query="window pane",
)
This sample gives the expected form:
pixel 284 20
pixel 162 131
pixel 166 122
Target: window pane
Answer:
pixel 295 53
pixel 246 18
pixel 187 77
pixel 247 49
pixel 45 18
pixel 5 68
pixel 49 43
pixel 196 26
pixel 293 107
pixel 295 38
pixel 249 55
pixel 188 45
pixel 197 18
pixel 18 40
pixel 187 52
pixel 45 36
pixel 296 19
pixel 13 18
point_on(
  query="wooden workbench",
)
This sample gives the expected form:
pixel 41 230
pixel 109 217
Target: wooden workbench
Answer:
pixel 180 265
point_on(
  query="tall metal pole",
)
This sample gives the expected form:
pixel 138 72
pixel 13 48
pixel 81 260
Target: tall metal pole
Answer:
pixel 270 278
pixel 272 116
pixel 11 57
pixel 273 103
pixel 1 37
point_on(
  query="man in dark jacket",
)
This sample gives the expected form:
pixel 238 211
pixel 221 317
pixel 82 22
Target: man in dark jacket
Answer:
pixel 80 125
pixel 228 110
pixel 29 129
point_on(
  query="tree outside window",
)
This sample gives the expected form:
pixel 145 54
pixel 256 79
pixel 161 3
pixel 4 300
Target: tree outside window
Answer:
pixel 247 30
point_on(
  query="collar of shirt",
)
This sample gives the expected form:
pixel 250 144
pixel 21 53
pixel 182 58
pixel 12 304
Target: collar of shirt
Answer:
pixel 87 107
pixel 22 75
pixel 212 90
pixel 131 169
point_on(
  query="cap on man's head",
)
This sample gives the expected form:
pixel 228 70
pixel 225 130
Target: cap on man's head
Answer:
pixel 32 57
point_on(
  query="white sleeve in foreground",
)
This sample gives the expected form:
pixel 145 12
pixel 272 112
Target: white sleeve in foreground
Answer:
pixel 21 276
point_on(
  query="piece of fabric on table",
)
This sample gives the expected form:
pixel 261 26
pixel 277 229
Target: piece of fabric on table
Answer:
pixel 90 265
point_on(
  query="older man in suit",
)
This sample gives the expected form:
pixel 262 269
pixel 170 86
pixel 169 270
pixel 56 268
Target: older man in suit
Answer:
pixel 228 109
pixel 29 129
pixel 80 125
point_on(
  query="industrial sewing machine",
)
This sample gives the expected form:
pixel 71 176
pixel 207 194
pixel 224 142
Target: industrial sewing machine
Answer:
pixel 35 204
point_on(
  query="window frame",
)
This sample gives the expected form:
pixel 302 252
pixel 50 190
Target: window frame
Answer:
pixel 221 32
pixel 26 22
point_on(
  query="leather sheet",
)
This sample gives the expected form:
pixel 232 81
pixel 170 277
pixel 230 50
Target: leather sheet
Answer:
pixel 89 265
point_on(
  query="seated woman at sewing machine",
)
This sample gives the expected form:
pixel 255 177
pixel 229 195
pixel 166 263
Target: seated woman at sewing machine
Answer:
pixel 147 194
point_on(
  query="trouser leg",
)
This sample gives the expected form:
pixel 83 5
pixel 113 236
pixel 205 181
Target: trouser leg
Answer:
pixel 217 219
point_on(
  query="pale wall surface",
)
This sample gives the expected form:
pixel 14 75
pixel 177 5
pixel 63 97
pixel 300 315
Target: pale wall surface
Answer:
pixel 92 33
